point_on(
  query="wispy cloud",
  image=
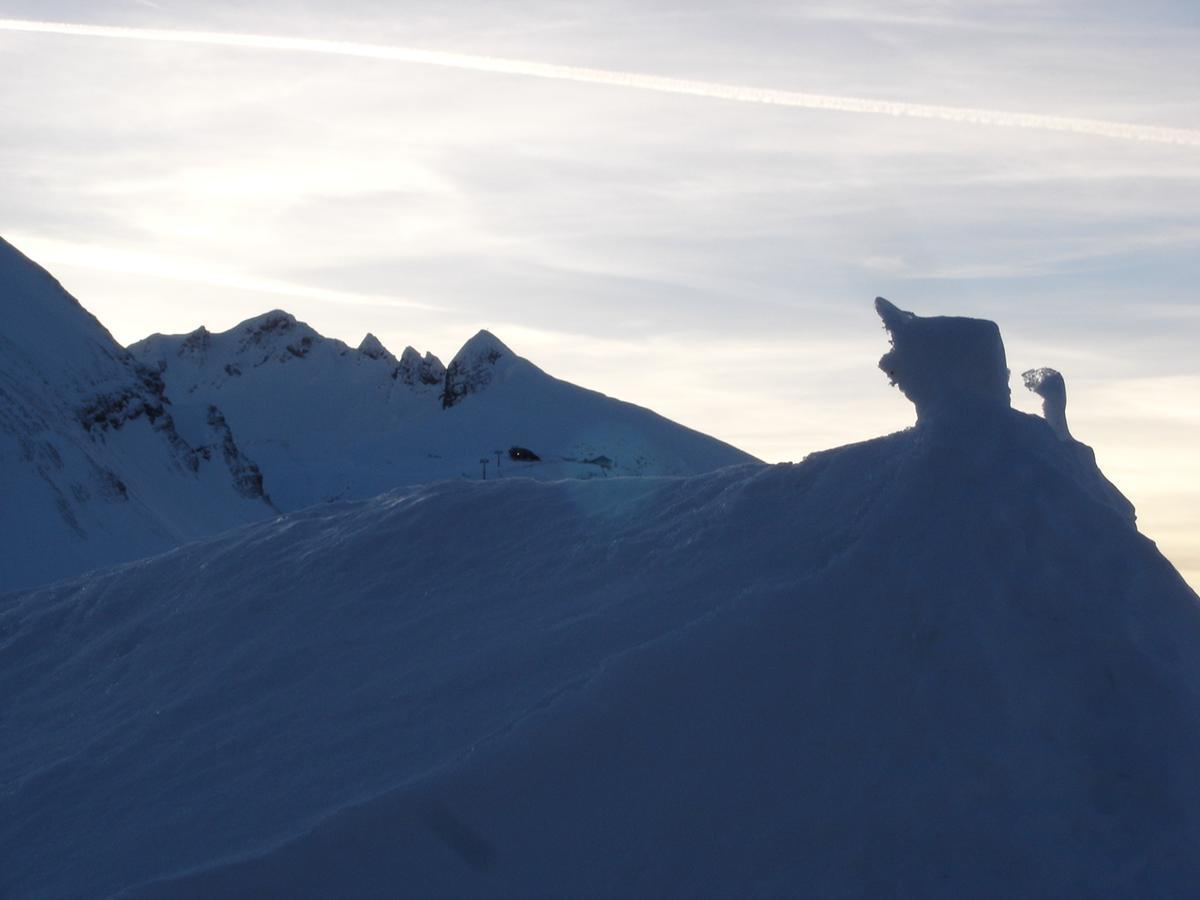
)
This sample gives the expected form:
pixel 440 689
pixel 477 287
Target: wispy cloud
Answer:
pixel 112 259
pixel 637 80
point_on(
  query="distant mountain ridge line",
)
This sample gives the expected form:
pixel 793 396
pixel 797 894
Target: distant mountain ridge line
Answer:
pixel 109 454
pixel 381 398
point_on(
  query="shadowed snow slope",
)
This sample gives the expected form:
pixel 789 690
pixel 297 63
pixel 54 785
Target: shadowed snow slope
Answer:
pixel 326 422
pixel 940 663
pixel 93 470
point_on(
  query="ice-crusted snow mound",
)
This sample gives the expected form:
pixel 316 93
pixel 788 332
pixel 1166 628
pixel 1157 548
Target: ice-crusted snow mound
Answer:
pixel 1052 388
pixel 954 371
pixel 934 664
pixel 1050 385
pixel 945 364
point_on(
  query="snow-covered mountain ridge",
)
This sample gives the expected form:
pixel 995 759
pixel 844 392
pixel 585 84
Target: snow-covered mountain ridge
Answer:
pixel 941 663
pixel 93 469
pixel 328 422
pixel 108 455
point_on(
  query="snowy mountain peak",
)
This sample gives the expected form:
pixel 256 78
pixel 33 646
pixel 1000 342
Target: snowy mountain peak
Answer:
pixel 197 343
pixel 1050 386
pixel 474 366
pixel 372 348
pixel 325 421
pixel 93 466
pixel 944 364
pixel 273 320
pixel 484 343
pixel 418 371
pixel 15 267
pixel 279 333
pixel 43 325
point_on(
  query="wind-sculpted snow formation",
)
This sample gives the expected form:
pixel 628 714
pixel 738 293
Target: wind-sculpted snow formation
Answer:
pixel 93 469
pixel 326 422
pixel 1052 388
pixel 946 365
pixel 1050 385
pixel 941 663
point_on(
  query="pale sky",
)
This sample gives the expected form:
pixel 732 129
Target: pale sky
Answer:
pixel 714 260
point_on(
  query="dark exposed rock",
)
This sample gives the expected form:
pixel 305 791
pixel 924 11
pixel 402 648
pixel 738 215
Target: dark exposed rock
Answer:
pixel 114 487
pixel 147 397
pixel 419 371
pixel 247 477
pixel 274 322
pixel 300 348
pixel 472 368
pixel 196 343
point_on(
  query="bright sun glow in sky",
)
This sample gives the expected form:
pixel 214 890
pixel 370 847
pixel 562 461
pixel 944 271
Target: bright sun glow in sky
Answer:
pixel 581 179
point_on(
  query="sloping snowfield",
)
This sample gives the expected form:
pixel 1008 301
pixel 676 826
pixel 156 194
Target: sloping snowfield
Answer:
pixel 941 663
pixel 931 664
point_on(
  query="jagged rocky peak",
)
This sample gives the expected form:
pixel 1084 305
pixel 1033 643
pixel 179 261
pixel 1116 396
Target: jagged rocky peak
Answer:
pixel 1052 388
pixel 419 371
pixel 944 364
pixel 247 477
pixel 274 321
pixel 372 348
pixel 197 343
pixel 144 395
pixel 474 366
pixel 272 326
pixel 277 332
pixel 432 369
pixel 483 349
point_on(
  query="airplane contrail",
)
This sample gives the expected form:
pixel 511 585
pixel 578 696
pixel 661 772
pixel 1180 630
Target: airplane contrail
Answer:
pixel 715 90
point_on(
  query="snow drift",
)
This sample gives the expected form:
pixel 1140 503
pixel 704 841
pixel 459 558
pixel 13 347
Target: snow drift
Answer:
pixel 941 663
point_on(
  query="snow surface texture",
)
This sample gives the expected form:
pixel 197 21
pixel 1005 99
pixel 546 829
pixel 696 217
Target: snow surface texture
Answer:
pixel 93 470
pixel 941 663
pixel 326 422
